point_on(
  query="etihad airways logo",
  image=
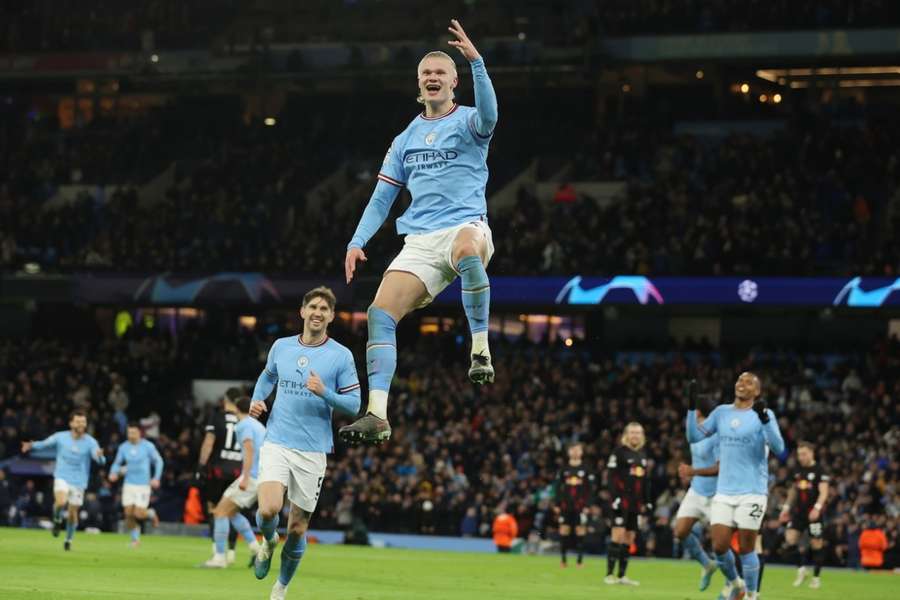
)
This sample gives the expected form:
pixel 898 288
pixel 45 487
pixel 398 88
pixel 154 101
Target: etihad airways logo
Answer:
pixel 431 156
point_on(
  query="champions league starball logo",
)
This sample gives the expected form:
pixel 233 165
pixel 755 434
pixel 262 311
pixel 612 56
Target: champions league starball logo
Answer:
pixel 853 294
pixel 640 287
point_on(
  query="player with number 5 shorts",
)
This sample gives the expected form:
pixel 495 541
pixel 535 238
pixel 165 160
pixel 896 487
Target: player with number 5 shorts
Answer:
pixel 314 375
pixel 441 158
pixel 746 431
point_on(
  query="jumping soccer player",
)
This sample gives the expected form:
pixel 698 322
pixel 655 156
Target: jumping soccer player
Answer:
pixel 241 494
pixel 629 488
pixel 810 492
pixel 137 454
pixel 575 492
pixel 747 430
pixel 315 375
pixel 441 158
pixel 695 507
pixel 75 450
pixel 219 463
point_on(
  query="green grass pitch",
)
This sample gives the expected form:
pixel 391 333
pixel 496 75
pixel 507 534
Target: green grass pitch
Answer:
pixel 34 566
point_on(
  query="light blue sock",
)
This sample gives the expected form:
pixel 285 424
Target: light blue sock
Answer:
pixel 381 350
pixel 135 534
pixel 70 530
pixel 476 292
pixel 242 525
pixel 220 534
pixel 291 554
pixel 750 564
pixel 695 549
pixel 267 528
pixel 726 563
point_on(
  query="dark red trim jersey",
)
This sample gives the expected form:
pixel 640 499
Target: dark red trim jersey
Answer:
pixel 628 479
pixel 806 482
pixel 575 488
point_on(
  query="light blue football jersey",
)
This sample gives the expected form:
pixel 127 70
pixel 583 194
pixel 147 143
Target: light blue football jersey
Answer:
pixel 138 459
pixel 705 453
pixel 300 419
pixel 744 444
pixel 73 457
pixel 443 163
pixel 253 430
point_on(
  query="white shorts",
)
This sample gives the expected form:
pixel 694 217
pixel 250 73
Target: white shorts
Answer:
pixel 428 256
pixel 694 506
pixel 74 495
pixel 135 495
pixel 301 473
pixel 242 498
pixel 741 512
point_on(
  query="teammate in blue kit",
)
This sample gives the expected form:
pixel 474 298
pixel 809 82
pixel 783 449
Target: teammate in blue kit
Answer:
pixel 242 493
pixel 695 506
pixel 441 158
pixel 746 431
pixel 314 375
pixel 137 455
pixel 75 450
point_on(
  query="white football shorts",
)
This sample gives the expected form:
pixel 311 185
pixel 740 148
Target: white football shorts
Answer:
pixel 74 495
pixel 694 506
pixel 301 473
pixel 242 498
pixel 745 511
pixel 135 495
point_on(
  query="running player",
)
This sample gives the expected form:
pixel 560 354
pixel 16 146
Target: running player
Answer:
pixel 629 488
pixel 747 430
pixel 75 449
pixel 315 375
pixel 138 455
pixel 703 473
pixel 803 511
pixel 441 158
pixel 241 494
pixel 220 460
pixel 575 493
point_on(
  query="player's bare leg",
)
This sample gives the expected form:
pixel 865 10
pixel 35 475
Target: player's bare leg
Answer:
pixel 399 293
pixel 270 498
pixel 468 257
pixel 292 552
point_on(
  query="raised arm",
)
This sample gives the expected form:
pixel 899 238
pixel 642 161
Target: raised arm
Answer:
pixel 49 442
pixel 695 432
pixel 485 97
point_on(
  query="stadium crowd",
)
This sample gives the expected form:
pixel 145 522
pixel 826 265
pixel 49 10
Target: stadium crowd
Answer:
pixel 815 199
pixel 458 453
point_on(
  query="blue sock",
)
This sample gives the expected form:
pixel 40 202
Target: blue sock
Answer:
pixel 381 350
pixel 220 534
pixel 291 554
pixel 70 530
pixel 726 563
pixel 135 534
pixel 695 549
pixel 750 562
pixel 267 528
pixel 476 292
pixel 243 527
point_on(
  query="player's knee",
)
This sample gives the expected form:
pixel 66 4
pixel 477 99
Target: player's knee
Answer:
pixel 465 249
pixel 298 528
pixel 268 511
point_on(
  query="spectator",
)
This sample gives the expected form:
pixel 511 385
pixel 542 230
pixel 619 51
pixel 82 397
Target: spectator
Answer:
pixel 872 546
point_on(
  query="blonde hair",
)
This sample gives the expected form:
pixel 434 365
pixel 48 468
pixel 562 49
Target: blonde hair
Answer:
pixel 624 438
pixel 437 54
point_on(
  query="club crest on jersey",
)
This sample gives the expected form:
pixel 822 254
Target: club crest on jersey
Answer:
pixel 735 423
pixel 302 362
pixel 429 139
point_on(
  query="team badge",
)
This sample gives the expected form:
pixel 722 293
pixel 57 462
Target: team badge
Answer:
pixel 302 362
pixel 735 423
pixel 429 139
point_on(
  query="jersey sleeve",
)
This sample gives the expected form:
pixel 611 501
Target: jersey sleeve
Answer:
pixel 266 381
pixel 49 442
pixel 392 168
pixel 271 364
pixel 347 376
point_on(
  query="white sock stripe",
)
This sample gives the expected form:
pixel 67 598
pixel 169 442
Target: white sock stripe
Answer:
pixel 476 290
pixel 380 345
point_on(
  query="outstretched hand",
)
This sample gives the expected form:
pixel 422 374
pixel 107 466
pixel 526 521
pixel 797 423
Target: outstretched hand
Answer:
pixel 353 255
pixel 462 41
